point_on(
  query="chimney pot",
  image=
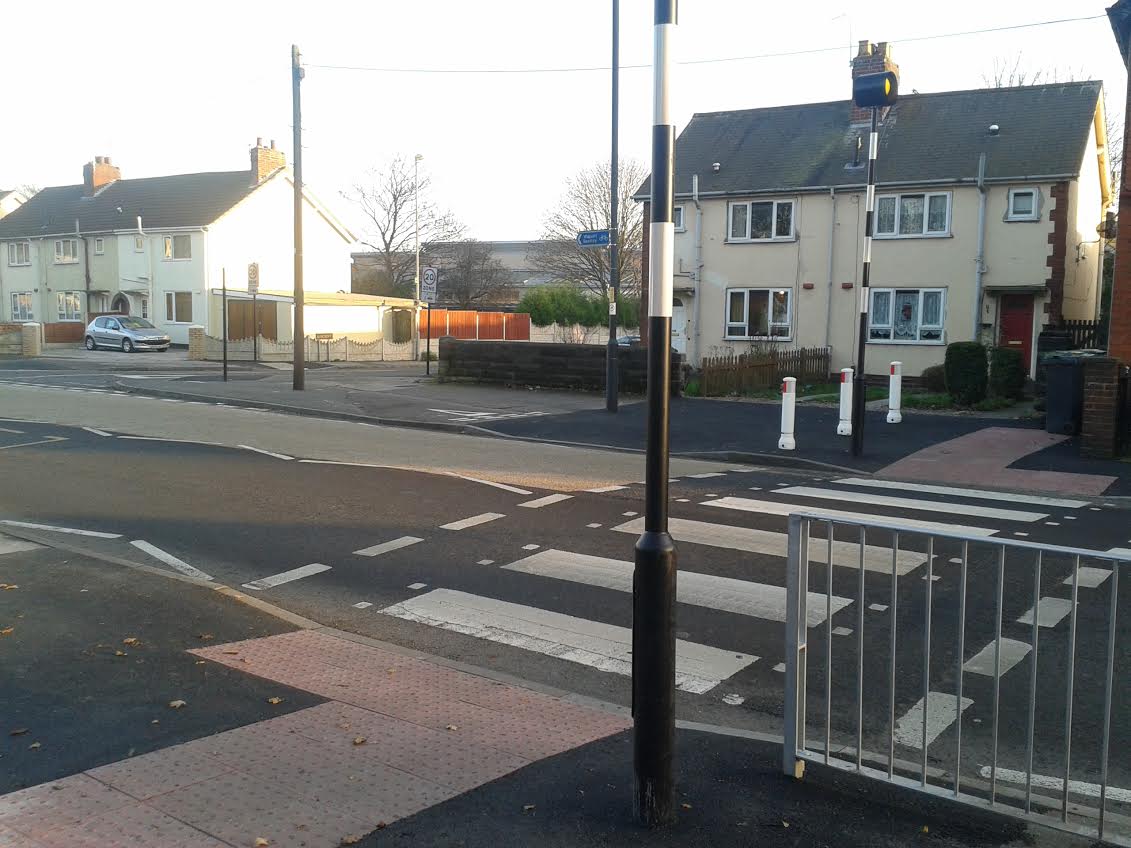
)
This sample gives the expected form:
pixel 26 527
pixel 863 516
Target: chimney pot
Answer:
pixel 272 144
pixel 98 173
pixel 865 48
pixel 259 141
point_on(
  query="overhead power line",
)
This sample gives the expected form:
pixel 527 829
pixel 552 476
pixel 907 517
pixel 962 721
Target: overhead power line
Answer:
pixel 756 56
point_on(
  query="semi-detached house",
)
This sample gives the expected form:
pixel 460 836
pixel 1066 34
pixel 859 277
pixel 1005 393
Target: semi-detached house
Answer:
pixel 989 210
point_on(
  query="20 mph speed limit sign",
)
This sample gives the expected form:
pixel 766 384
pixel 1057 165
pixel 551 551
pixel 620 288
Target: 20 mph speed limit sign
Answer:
pixel 428 280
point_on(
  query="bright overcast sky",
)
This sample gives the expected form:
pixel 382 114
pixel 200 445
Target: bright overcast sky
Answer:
pixel 165 93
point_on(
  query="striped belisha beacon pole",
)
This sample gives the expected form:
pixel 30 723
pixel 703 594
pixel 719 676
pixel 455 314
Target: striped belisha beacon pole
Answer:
pixel 653 603
pixel 875 91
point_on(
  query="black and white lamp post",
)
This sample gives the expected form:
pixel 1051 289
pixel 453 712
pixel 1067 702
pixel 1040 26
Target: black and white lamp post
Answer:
pixel 653 604
pixel 876 91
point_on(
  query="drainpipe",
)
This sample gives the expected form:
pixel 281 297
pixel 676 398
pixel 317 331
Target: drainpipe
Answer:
pixel 698 263
pixel 832 240
pixel 980 261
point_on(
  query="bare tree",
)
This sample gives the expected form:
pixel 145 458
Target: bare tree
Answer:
pixel 469 273
pixel 1012 73
pixel 387 197
pixel 585 206
pixel 28 190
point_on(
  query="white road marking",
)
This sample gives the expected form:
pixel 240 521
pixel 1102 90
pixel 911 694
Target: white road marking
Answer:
pixel 780 668
pixel 978 494
pixel 914 503
pixel 878 607
pixel 778 508
pixel 842 631
pixel 16 432
pixel 1040 781
pixel 416 587
pixel 683 500
pixel 777 544
pixel 605 647
pixel 351 464
pixel 9 545
pixel 1050 612
pixel 733 699
pixel 600 490
pixel 287 576
pixel 45 441
pixel 742 597
pixel 515 489
pixel 940 715
pixel 485 562
pixel 1090 578
pixel 594 525
pixel 538 503
pixel 629 514
pixel 170 560
pixel 705 475
pixel 176 441
pixel 385 547
pixel 1019 533
pixel 266 452
pixel 473 521
pixel 531 547
pixel 1012 652
pixel 1052 523
pixel 97 432
pixel 71 530
pixel 362 605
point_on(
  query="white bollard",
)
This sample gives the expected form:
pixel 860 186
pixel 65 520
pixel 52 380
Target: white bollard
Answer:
pixel 844 427
pixel 895 393
pixel 788 401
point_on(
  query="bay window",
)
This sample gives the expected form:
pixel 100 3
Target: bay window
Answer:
pixel 759 314
pixel 913 316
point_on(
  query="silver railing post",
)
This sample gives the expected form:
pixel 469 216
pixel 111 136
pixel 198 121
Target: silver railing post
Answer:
pixel 1071 683
pixel 1107 694
pixel 796 627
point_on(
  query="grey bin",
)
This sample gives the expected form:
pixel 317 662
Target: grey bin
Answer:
pixel 1064 379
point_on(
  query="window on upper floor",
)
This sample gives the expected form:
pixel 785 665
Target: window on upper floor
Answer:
pixel 66 251
pixel 178 247
pixel 759 314
pixel 907 316
pixel 19 253
pixel 912 215
pixel 139 244
pixel 757 220
pixel 99 246
pixel 1024 205
pixel 22 309
pixel 677 218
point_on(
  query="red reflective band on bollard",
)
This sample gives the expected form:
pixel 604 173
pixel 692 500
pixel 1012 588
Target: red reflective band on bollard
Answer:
pixel 892 372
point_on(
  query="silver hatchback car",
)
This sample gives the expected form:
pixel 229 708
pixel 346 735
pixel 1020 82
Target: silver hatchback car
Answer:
pixel 125 333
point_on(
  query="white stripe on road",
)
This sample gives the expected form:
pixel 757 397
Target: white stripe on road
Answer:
pixel 940 715
pixel 778 508
pixel 97 432
pixel 71 530
pixel 1090 578
pixel 350 464
pixel 1050 612
pixel 978 494
pixel 175 441
pixel 265 452
pixel 538 503
pixel 502 486
pixel 705 475
pixel 1041 781
pixel 913 503
pixel 287 576
pixel 605 647
pixel 16 432
pixel 170 560
pixel 1012 652
pixel 473 521
pixel 702 590
pixel 600 490
pixel 385 547
pixel 45 441
pixel 777 544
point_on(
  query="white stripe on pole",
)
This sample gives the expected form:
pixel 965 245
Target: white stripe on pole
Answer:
pixel 870 199
pixel 844 426
pixel 867 249
pixel 895 393
pixel 864 298
pixel 661 103
pixel 873 144
pixel 660 260
pixel 788 399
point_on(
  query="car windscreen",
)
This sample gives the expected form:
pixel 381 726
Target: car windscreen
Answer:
pixel 136 324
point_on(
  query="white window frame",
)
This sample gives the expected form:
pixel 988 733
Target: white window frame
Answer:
pixel 170 248
pixel 775 235
pixel 678 219
pixel 139 244
pixel 172 316
pixel 889 325
pixel 1035 215
pixel 14 253
pixel 745 291
pixel 23 312
pixel 924 233
pixel 99 246
pixel 61 253
pixel 68 305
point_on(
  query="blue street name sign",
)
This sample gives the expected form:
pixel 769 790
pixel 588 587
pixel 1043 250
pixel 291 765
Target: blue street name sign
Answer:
pixel 593 238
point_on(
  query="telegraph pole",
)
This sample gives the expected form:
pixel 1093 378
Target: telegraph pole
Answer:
pixel 612 368
pixel 653 601
pixel 296 120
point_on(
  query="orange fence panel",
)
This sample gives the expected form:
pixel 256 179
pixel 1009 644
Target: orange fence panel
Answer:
pixel 517 327
pixel 463 324
pixel 439 322
pixel 491 325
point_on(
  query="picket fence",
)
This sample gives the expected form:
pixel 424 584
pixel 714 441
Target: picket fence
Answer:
pixel 736 374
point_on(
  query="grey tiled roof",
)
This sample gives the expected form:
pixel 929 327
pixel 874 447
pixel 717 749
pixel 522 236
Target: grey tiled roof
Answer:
pixel 924 138
pixel 186 200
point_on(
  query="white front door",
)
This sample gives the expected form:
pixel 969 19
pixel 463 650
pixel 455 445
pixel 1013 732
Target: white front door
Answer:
pixel 679 326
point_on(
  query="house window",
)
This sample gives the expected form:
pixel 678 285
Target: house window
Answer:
pixel 761 221
pixel 912 215
pixel 1023 205
pixel 758 314
pixel 21 307
pixel 139 244
pixel 909 316
pixel 677 218
pixel 99 246
pixel 178 247
pixel 145 307
pixel 19 253
pixel 66 251
pixel 178 307
pixel 69 305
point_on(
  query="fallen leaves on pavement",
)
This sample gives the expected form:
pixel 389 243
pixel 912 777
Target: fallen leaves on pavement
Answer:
pixel 19 731
pixel 453 727
pixel 204 637
pixel 260 842
pixel 6 631
pixel 231 652
pixel 120 654
pixel 526 808
pixel 350 840
pixel 131 640
pixel 34 746
pixel 359 740
pixel 177 704
pixel 275 700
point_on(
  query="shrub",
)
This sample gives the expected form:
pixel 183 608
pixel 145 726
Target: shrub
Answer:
pixel 934 379
pixel 563 305
pixel 967 374
pixel 1007 373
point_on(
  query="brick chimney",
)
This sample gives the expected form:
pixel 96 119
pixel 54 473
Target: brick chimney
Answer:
pixel 98 173
pixel 265 161
pixel 870 59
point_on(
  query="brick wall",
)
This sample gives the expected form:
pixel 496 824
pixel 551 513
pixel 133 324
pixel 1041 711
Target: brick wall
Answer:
pixel 196 343
pixel 1119 333
pixel 870 59
pixel 11 340
pixel 1058 239
pixel 1101 401
pixel 32 339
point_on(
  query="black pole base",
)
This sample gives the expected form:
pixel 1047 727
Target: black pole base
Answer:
pixel 612 372
pixel 859 400
pixel 653 679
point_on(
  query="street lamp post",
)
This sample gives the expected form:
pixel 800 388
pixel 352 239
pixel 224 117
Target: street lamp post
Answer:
pixel 653 596
pixel 416 241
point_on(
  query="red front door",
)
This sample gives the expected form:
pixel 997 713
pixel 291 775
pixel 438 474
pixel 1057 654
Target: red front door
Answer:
pixel 1017 325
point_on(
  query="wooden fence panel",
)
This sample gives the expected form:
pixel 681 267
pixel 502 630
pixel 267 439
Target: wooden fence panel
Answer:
pixel 517 327
pixel 736 374
pixel 1087 334
pixel 491 326
pixel 463 324
pixel 439 322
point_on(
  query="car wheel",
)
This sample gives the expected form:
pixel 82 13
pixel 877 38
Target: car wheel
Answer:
pixel 127 346
pixel 90 345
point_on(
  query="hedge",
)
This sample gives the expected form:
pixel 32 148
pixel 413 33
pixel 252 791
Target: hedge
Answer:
pixel 566 305
pixel 1007 373
pixel 934 379
pixel 966 372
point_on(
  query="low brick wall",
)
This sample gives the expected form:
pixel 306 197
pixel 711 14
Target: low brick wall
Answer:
pixel 561 366
pixel 1099 437
pixel 11 340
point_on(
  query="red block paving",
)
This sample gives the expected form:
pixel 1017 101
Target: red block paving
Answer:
pixel 398 735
